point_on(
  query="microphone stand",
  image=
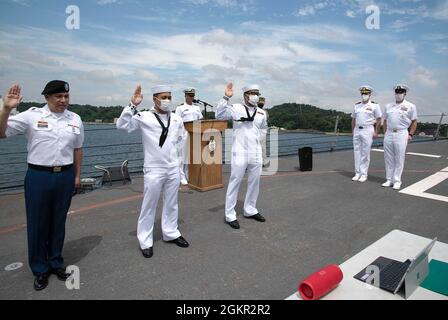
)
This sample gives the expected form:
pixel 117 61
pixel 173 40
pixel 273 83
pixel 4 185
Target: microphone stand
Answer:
pixel 205 104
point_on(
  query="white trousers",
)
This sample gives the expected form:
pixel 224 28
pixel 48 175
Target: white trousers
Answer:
pixel 159 180
pixel 395 144
pixel 239 167
pixel 183 168
pixel 263 150
pixel 362 142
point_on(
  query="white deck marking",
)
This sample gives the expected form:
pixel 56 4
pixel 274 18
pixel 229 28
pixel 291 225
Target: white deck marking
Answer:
pixel 414 154
pixel 419 189
pixel 423 155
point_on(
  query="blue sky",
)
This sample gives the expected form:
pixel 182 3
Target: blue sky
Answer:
pixel 315 52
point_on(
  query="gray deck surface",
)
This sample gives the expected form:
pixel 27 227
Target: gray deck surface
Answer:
pixel 313 219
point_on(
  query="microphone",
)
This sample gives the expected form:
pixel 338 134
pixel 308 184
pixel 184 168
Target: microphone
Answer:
pixel 203 102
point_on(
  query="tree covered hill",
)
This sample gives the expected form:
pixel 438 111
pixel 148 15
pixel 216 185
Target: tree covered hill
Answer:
pixel 87 113
pixel 290 116
pixel 293 116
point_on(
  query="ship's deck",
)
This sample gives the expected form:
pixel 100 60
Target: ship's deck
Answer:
pixel 313 219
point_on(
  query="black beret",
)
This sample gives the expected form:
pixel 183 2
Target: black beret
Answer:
pixel 56 86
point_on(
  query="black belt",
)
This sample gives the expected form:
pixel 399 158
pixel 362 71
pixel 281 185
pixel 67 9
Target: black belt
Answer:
pixel 50 169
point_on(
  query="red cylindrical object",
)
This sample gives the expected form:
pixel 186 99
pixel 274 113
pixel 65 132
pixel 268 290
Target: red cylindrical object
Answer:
pixel 320 283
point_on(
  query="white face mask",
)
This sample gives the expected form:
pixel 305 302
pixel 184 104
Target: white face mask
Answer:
pixel 365 97
pixel 399 97
pixel 253 100
pixel 165 105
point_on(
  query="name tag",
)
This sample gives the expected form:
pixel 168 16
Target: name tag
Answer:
pixel 73 128
pixel 42 125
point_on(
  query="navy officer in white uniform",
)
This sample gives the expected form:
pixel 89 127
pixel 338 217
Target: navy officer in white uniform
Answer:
pixel 249 130
pixel 162 136
pixel 400 123
pixel 366 123
pixel 189 111
pixel 55 137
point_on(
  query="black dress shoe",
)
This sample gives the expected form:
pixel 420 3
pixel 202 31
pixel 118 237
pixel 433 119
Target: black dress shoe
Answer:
pixel 61 274
pixel 234 224
pixel 41 282
pixel 181 242
pixel 257 217
pixel 147 253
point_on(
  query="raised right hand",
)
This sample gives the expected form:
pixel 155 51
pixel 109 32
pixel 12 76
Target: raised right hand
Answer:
pixel 12 98
pixel 137 98
pixel 229 90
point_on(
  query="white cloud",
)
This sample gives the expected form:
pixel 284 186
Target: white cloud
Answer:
pixel 22 2
pixel 350 13
pixel 401 25
pixel 306 11
pixel 311 9
pixel 423 76
pixel 243 5
pixel 318 33
pixel 405 50
pixel 441 11
pixel 319 63
pixel 106 2
pixel 98 76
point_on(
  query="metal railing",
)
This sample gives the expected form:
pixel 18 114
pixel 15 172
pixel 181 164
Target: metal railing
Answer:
pixel 13 159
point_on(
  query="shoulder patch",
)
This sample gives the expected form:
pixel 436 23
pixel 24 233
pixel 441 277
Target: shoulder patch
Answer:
pixel 359 102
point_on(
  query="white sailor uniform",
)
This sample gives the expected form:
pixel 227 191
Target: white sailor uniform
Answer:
pixel 161 169
pixel 399 118
pixel 187 113
pixel 365 115
pixel 246 153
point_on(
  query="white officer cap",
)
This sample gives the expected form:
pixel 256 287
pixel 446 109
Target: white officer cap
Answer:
pixel 402 87
pixel 251 87
pixel 190 90
pixel 365 89
pixel 160 89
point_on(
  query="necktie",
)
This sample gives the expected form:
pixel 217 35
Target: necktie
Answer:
pixel 164 133
pixel 249 117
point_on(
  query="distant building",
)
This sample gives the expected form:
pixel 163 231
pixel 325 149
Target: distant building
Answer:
pixel 98 121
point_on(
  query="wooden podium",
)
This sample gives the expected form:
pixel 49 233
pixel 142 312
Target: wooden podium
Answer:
pixel 205 162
